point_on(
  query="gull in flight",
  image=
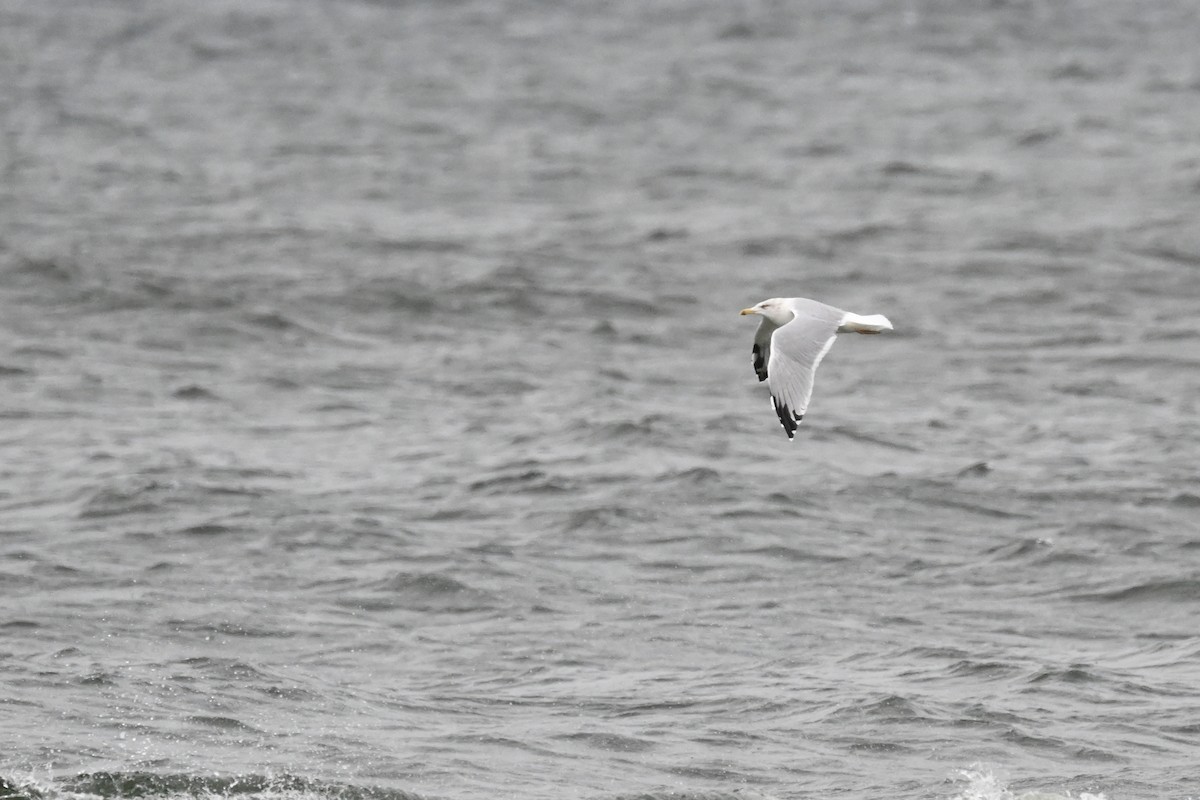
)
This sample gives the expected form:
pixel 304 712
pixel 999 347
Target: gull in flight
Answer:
pixel 793 337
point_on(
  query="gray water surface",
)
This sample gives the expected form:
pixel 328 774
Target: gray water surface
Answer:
pixel 378 421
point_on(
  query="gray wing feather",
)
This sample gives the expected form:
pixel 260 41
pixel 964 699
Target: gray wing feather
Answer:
pixel 795 353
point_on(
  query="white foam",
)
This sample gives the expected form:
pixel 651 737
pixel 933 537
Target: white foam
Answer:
pixel 982 784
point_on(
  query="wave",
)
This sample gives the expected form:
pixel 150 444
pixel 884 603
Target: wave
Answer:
pixel 606 517
pixel 740 794
pixel 180 786
pixel 1179 590
pixel 794 554
pixel 609 742
pixel 977 782
pixel 145 494
pixel 534 481
pixel 416 592
pixel 982 784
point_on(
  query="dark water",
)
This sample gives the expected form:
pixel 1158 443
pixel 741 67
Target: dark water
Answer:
pixel 378 422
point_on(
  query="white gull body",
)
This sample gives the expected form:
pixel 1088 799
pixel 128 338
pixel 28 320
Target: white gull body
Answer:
pixel 793 337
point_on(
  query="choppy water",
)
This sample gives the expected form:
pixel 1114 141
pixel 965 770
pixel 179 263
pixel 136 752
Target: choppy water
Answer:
pixel 378 422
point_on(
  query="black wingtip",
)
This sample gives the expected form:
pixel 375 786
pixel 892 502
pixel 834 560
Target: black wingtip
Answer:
pixel 787 418
pixel 760 364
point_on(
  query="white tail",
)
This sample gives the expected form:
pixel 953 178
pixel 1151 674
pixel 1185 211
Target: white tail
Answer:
pixel 874 323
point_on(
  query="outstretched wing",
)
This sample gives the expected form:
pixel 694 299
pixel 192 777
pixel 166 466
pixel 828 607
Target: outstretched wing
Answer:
pixel 796 350
pixel 761 351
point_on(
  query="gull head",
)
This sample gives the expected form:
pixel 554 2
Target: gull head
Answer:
pixel 777 310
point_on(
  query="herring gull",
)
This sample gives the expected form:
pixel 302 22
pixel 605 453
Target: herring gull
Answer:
pixel 793 337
